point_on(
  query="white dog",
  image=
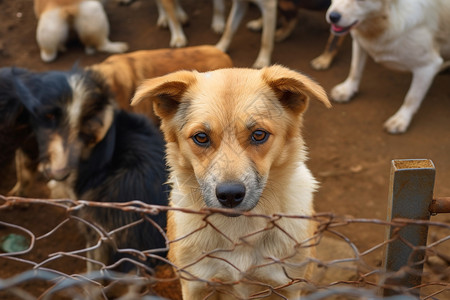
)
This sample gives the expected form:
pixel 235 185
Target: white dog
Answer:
pixel 404 35
pixel 86 17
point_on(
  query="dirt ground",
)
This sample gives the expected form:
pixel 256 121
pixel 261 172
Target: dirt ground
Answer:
pixel 349 151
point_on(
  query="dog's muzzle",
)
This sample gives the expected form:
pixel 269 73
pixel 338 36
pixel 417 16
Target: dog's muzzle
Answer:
pixel 333 18
pixel 230 194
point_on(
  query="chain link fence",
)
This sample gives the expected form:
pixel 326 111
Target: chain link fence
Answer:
pixel 51 264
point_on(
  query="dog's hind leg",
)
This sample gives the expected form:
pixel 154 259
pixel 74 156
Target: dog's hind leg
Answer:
pixel 26 171
pixel 51 34
pixel 324 61
pixel 92 27
pixel 238 10
pixel 421 82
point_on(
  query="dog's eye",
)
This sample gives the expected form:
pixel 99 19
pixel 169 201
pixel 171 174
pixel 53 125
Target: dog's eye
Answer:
pixel 259 136
pixel 201 139
pixel 50 117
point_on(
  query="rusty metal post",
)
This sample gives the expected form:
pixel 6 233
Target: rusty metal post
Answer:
pixel 410 195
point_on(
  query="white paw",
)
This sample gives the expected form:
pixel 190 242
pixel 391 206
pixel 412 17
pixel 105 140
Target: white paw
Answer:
pixel 398 123
pixel 114 47
pixel 47 56
pixel 182 17
pixel 162 21
pixel 261 63
pixel 218 25
pixel 178 41
pixel 343 92
pixel 255 25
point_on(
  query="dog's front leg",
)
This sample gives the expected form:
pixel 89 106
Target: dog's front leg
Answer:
pixel 421 82
pixel 238 9
pixel 218 19
pixel 344 91
pixel 173 13
pixel 269 16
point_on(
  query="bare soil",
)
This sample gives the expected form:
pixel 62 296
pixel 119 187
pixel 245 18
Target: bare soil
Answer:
pixel 349 151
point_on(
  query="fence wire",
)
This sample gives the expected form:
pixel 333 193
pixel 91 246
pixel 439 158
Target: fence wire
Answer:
pixel 52 264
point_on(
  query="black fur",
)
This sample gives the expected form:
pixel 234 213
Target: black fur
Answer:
pixel 15 129
pixel 127 164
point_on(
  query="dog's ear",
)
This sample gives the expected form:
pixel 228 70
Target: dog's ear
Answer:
pixel 293 89
pixel 166 92
pixel 24 95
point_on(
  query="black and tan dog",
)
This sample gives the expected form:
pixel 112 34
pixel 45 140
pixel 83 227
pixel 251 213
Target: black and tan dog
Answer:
pixel 87 17
pixel 234 143
pixel 100 154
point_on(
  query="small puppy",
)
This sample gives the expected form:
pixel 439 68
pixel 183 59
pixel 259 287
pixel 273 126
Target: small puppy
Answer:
pixel 124 72
pixel 234 143
pixel 402 35
pixel 86 17
pixel 101 154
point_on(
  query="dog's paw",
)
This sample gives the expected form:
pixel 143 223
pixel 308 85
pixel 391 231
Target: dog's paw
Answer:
pixel 343 92
pixel 321 62
pixel 218 25
pixel 261 63
pixel 182 17
pixel 48 56
pixel 398 123
pixel 113 47
pixel 162 21
pixel 255 25
pixel 178 41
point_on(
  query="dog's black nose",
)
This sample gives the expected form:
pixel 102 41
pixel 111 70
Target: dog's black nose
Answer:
pixel 230 194
pixel 334 17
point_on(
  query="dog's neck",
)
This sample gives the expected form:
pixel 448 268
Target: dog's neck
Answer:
pixel 99 158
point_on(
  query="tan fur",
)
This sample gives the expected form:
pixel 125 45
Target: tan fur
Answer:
pixel 230 105
pixel 124 72
pixel 86 17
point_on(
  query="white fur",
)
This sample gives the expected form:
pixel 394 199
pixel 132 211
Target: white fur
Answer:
pixel 269 16
pixel 89 21
pixel 416 38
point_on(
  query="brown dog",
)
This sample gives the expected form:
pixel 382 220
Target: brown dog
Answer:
pixel 234 144
pixel 124 72
pixel 86 17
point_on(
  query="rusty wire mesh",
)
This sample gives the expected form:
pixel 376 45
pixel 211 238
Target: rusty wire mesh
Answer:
pixel 348 271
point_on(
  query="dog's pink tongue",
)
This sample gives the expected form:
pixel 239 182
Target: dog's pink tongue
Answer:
pixel 337 28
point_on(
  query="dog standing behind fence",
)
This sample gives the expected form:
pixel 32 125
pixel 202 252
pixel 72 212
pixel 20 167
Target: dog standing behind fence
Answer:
pixel 234 141
pixel 100 154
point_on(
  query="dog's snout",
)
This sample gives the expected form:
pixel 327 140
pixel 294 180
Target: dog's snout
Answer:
pixel 58 175
pixel 334 17
pixel 230 194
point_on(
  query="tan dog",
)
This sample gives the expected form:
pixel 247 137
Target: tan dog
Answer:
pixel 234 142
pixel 124 72
pixel 403 35
pixel 86 17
